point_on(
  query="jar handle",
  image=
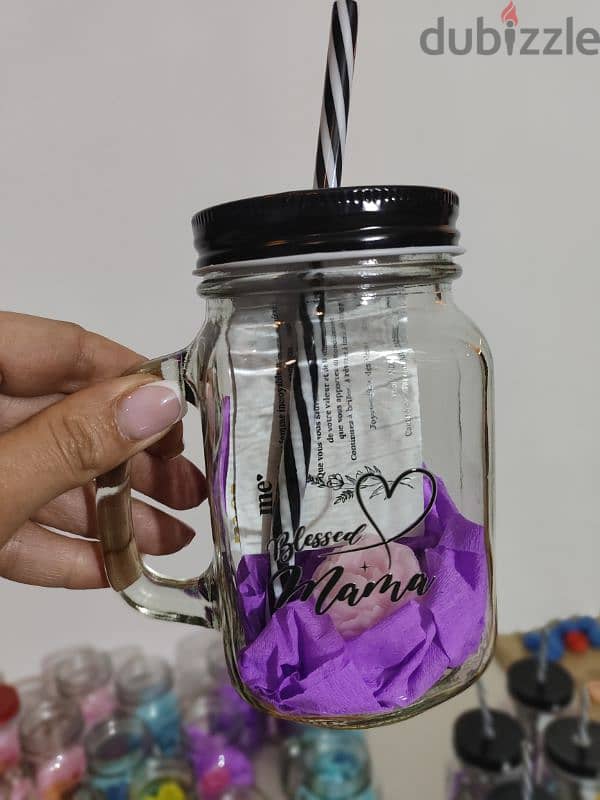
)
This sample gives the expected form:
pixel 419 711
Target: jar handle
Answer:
pixel 191 600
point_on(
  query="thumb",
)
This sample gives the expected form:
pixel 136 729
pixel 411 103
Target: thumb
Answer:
pixel 79 438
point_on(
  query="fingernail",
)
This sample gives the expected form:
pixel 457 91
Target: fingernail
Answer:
pixel 150 410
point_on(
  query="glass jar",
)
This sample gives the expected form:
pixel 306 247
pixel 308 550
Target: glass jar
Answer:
pixel 10 751
pixel 336 768
pixel 145 689
pixel 115 748
pixel 50 736
pixel 484 761
pixel 212 748
pixel 297 741
pixel 85 675
pixel 163 779
pixel 346 404
pixel 537 702
pixel 572 768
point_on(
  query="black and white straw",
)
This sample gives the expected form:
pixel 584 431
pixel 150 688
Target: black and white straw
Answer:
pixel 583 730
pixel 300 361
pixel 336 94
pixel 489 729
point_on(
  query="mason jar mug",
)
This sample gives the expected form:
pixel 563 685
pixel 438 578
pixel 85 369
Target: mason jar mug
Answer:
pixel 346 404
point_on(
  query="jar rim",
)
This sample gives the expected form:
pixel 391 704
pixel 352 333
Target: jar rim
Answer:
pixel 50 726
pixel 341 255
pixel 326 222
pixel 82 671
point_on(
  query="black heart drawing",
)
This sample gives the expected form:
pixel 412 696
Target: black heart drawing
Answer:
pixel 389 491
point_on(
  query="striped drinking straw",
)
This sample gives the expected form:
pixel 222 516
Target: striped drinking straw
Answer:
pixel 302 382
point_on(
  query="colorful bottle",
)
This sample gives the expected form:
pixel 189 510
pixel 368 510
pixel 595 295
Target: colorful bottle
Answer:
pixel 50 735
pixel 85 676
pixel 145 689
pixel 115 749
pixel 163 779
pixel 10 751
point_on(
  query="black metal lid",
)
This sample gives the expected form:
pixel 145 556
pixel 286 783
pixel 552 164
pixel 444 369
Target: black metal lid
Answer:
pixel 514 791
pixel 560 744
pixel 326 221
pixel 555 693
pixel 499 754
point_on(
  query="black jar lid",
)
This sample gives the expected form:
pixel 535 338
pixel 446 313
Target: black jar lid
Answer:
pixel 554 693
pixel 499 754
pixel 323 222
pixel 514 791
pixel 562 748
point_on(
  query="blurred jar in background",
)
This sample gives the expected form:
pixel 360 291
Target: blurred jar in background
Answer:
pixel 335 766
pixel 145 689
pixel 484 759
pixel 297 739
pixel 86 676
pixel 115 749
pixel 219 765
pixel 572 759
pixel 163 779
pixel 50 735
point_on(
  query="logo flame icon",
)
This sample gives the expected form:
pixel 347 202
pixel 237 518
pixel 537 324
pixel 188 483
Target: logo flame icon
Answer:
pixel 509 14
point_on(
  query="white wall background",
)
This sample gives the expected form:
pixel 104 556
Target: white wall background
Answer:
pixel 118 120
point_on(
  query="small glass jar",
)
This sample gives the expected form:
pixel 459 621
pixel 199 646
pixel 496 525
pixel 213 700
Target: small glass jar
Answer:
pixel 10 751
pixel 572 769
pixel 537 702
pixel 50 736
pixel 114 749
pixel 218 762
pixel 85 675
pixel 296 742
pixel 145 688
pixel 484 761
pixel 163 779
pixel 336 768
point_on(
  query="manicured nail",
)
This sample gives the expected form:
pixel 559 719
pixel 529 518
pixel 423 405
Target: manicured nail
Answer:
pixel 150 410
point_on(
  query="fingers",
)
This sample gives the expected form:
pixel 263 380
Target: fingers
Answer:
pixel 43 356
pixel 41 558
pixel 156 532
pixel 176 483
pixel 15 410
pixel 73 441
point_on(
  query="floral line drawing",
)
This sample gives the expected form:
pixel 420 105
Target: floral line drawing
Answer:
pixel 345 484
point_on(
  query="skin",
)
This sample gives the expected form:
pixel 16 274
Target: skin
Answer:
pixel 59 392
